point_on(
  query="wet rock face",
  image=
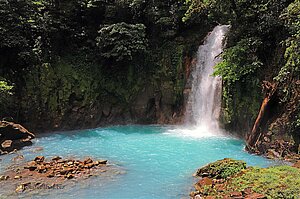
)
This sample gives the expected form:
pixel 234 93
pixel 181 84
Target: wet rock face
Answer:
pixel 13 137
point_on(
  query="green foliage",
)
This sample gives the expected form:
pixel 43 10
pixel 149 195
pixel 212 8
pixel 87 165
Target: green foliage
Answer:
pixel 222 168
pixel 274 182
pixel 292 66
pixel 252 52
pixel 292 53
pixel 170 71
pixel 121 41
pixel 5 94
pixel 15 33
pixel 37 35
pixel 195 8
pixel 240 60
pixel 238 69
pixel 42 38
pixel 75 85
pixel 5 88
pixel 14 17
pixel 289 74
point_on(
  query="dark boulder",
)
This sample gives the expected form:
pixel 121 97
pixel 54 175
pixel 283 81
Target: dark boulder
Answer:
pixel 13 137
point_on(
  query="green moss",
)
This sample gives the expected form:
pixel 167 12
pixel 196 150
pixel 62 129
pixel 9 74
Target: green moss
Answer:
pixel 241 103
pixel 50 86
pixel 170 70
pixel 274 182
pixel 222 168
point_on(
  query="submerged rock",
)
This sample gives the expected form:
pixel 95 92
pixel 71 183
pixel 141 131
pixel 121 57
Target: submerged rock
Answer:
pixel 13 137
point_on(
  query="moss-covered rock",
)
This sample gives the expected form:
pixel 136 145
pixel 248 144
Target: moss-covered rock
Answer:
pixel 221 169
pixel 252 182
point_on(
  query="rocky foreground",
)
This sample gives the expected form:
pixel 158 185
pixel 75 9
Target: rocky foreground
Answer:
pixel 52 174
pixel 233 179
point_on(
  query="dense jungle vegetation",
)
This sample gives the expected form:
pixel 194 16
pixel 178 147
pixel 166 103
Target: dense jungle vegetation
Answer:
pixel 82 63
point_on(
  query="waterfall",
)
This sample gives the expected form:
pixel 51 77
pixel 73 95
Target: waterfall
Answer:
pixel 204 101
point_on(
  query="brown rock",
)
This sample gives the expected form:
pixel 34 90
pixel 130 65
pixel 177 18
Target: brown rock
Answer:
pixel 76 162
pixel 65 171
pixel 60 161
pixel 205 181
pixel 70 163
pixel 17 177
pixel 51 175
pixel 56 158
pixel 41 169
pixel 219 187
pixel 236 194
pixel 210 197
pixel 20 188
pixel 69 176
pixel 13 137
pixel 6 144
pixel 273 154
pixel 199 186
pixel 89 166
pixel 31 163
pixel 31 168
pixel 255 196
pixel 88 161
pixel 102 161
pixel 4 178
pixel 247 191
pixel 194 193
pixel 297 164
pixel 39 159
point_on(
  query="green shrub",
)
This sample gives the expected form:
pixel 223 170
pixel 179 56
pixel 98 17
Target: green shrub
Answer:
pixel 5 93
pixel 122 41
pixel 239 60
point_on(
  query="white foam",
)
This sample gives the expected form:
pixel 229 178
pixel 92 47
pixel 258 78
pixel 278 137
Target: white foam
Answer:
pixel 194 132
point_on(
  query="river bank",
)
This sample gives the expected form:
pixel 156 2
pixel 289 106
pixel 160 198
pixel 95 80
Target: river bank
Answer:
pixel 230 178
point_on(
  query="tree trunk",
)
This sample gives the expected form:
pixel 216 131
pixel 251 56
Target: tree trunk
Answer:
pixel 254 135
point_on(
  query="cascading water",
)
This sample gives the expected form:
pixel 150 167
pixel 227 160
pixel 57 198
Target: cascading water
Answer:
pixel 204 102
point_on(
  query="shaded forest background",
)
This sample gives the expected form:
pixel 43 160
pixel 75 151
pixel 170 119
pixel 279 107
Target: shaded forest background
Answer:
pixel 84 63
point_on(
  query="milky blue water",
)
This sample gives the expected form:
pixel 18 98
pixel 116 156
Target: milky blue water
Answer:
pixel 158 161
